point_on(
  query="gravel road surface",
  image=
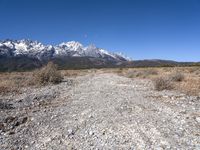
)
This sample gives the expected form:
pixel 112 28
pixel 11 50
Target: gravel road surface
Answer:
pixel 99 111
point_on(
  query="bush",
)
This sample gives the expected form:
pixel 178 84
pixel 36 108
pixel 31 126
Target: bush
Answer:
pixel 48 74
pixel 177 77
pixel 162 83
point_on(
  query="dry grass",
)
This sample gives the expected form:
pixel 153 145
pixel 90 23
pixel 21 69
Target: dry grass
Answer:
pixel 139 73
pixel 13 82
pixel 75 73
pixel 8 87
pixel 184 79
pixel 189 84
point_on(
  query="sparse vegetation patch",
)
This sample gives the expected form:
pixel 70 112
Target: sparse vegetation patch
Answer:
pixel 140 73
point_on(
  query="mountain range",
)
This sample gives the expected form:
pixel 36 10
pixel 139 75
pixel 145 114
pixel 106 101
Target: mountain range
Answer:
pixel 35 49
pixel 20 55
pixel 28 54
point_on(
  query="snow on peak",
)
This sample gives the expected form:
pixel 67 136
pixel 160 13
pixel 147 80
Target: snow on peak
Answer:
pixel 8 44
pixel 71 49
pixel 73 45
pixel 91 46
pixel 107 53
pixel 123 56
pixel 21 46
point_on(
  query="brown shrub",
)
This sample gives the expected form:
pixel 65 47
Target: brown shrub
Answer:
pixel 177 77
pixel 161 83
pixel 48 74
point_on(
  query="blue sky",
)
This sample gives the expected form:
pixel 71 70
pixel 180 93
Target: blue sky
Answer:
pixel 141 29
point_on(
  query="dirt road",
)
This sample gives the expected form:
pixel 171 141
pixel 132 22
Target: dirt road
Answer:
pixel 100 111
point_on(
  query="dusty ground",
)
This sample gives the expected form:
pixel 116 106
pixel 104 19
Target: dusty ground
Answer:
pixel 99 111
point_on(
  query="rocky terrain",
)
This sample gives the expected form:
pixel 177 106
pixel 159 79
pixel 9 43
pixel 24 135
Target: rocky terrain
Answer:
pixel 99 111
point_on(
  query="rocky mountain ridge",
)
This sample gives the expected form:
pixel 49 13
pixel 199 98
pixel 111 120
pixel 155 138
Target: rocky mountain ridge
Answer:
pixel 35 49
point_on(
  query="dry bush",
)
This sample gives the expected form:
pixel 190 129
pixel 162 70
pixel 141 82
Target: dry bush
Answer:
pixel 162 83
pixel 48 74
pixel 177 77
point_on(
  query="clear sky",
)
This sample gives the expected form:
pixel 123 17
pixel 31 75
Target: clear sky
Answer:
pixel 141 29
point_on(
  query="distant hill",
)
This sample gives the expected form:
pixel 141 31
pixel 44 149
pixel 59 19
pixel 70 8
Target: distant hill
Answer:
pixel 159 63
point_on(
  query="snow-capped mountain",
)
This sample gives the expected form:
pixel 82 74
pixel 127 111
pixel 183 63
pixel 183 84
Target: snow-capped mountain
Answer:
pixel 35 49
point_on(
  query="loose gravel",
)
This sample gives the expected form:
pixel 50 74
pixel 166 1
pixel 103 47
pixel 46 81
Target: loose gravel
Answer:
pixel 99 111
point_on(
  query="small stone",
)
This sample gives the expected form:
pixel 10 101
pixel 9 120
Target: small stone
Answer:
pixel 91 133
pixel 91 116
pixel 32 142
pixel 70 132
pixel 59 142
pixel 9 133
pixel 31 118
pixel 24 120
pixel 198 119
pixel 2 126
